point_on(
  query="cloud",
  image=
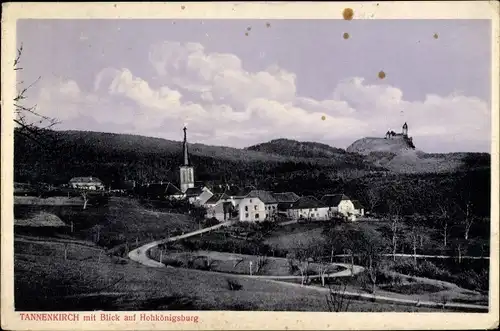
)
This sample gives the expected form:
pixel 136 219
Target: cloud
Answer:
pixel 225 104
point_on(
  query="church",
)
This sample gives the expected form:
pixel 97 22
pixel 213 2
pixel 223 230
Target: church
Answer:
pixel 195 195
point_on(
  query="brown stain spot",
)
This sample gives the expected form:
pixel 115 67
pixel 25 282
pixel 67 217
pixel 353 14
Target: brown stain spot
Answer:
pixel 381 74
pixel 345 35
pixel 323 117
pixel 436 36
pixel 114 5
pixel 183 7
pixel 348 14
pixel 268 24
pixel 246 34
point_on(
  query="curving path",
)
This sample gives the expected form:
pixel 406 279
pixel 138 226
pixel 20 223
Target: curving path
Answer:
pixel 140 255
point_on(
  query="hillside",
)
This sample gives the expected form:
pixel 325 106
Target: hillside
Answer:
pixel 287 147
pixel 115 157
pixel 400 155
pixel 368 145
pixel 280 164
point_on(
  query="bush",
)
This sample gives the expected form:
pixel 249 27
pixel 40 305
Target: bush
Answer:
pixel 211 222
pixel 233 285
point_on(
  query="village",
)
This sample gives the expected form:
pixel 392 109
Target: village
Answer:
pixel 224 202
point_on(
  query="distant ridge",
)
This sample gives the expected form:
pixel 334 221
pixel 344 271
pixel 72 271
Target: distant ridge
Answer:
pixel 288 147
pixel 114 157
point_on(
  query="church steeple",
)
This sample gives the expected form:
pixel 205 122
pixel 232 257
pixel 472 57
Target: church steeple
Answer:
pixel 185 148
pixel 186 171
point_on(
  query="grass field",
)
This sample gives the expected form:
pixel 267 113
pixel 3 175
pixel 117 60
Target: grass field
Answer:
pixel 292 236
pixel 86 282
pixel 122 220
pixel 234 263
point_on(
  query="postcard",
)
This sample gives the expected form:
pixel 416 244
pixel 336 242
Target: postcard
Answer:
pixel 249 166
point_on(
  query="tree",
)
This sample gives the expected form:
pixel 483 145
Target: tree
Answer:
pixel 465 210
pixel 444 221
pixel 85 198
pixel 414 235
pixel 370 246
pixel 300 258
pixel 262 261
pixel 336 299
pixel 395 218
pixel 28 122
pixel 373 198
pixel 97 230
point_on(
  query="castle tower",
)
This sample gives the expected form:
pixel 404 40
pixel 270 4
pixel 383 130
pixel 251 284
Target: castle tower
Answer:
pixel 405 130
pixel 186 170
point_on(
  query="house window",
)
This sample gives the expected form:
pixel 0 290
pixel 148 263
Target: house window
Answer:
pixel 256 216
pixel 274 207
pixel 246 209
pixel 255 207
pixel 315 209
pixel 250 200
pixel 246 215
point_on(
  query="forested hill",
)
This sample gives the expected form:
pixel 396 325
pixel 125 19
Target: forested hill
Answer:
pixel 277 165
pixel 114 157
pixel 287 147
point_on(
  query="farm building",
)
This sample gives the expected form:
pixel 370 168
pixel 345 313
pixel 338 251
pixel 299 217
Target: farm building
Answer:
pixel 219 208
pixel 307 208
pixel 163 191
pixel 286 197
pixel 358 208
pixel 340 203
pixel 198 195
pixel 257 206
pixel 86 183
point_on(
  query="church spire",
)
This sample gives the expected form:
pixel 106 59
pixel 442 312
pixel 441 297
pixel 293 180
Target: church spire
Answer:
pixel 185 148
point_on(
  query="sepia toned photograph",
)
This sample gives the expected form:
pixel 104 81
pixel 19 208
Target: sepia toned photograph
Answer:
pixel 185 164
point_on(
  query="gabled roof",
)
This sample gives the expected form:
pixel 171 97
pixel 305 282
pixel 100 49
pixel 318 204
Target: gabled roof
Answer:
pixel 357 204
pixel 307 203
pixel 333 200
pixel 85 180
pixel 163 189
pixel 265 196
pixel 286 197
pixel 214 199
pixel 229 189
pixel 194 191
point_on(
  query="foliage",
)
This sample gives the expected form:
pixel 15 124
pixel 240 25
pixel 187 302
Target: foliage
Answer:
pixel 233 285
pixel 336 299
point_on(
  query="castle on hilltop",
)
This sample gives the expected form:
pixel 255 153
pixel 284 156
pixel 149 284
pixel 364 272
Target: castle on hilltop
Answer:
pixel 403 135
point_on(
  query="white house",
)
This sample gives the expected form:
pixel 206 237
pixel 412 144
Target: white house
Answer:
pixel 86 183
pixel 231 193
pixel 358 208
pixel 221 210
pixel 340 203
pixel 307 208
pixel 198 195
pixel 258 206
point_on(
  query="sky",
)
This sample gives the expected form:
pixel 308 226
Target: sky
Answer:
pixel 241 82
